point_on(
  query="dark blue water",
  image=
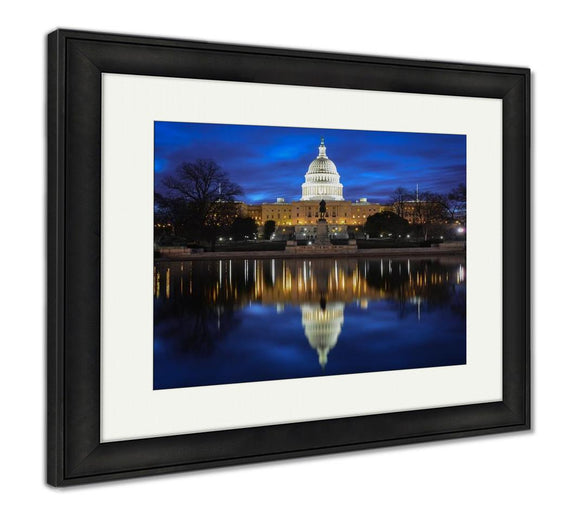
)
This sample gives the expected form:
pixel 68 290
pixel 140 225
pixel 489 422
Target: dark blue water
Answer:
pixel 234 321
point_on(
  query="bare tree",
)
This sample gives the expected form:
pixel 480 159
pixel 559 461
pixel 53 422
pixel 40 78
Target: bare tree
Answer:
pixel 399 197
pixel 201 200
pixel 428 210
pixel 457 202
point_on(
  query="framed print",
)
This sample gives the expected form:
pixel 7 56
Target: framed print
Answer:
pixel 259 253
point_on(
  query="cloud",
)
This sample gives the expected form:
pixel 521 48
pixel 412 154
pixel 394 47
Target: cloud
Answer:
pixel 269 162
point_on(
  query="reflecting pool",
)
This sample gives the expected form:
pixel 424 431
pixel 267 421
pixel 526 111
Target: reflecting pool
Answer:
pixel 242 320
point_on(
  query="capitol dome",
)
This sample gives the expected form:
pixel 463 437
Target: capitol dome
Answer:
pixel 322 180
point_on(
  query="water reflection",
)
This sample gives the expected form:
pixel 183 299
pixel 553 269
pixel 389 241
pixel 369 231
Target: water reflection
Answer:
pixel 322 326
pixel 224 321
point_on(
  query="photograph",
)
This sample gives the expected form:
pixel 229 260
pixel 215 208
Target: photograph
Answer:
pixel 292 252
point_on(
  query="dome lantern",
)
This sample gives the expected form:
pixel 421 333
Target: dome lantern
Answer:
pixel 321 149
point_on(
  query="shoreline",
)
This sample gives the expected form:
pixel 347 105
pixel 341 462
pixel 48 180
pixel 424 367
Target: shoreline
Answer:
pixel 331 252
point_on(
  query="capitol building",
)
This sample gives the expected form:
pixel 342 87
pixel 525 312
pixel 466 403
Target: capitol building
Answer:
pixel 299 218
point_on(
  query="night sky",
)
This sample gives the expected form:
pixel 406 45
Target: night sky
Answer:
pixel 270 162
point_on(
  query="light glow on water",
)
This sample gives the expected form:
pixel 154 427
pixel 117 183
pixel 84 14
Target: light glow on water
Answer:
pixel 243 320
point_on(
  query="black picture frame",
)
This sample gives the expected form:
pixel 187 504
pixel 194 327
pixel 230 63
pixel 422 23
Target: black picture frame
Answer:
pixel 75 63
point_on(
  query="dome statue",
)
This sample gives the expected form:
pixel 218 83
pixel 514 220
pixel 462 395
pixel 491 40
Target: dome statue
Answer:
pixel 322 181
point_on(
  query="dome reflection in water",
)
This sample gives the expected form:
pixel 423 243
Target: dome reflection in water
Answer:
pixel 244 320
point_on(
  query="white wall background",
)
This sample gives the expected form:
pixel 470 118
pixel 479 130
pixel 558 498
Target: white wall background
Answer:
pixel 515 470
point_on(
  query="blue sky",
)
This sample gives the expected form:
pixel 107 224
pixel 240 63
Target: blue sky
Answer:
pixel 270 162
